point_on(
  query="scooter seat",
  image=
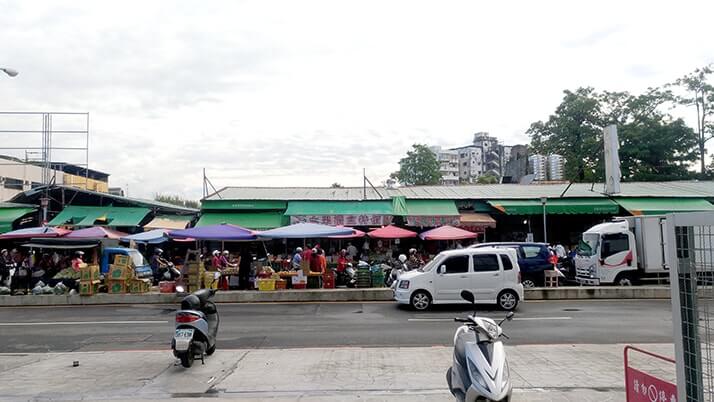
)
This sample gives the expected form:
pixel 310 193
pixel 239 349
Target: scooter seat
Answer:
pixel 204 295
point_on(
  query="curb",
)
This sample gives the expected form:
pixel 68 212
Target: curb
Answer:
pixel 326 295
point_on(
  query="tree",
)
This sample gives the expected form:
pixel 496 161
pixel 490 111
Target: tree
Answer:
pixel 700 94
pixel 418 168
pixel 336 185
pixel 177 200
pixel 487 178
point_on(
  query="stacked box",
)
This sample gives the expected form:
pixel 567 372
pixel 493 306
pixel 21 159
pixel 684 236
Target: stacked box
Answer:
pixel 116 287
pixel 89 273
pixel 364 278
pixel 139 285
pixel 194 273
pixel 122 260
pixel 88 288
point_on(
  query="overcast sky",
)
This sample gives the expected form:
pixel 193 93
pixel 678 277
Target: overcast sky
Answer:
pixel 274 93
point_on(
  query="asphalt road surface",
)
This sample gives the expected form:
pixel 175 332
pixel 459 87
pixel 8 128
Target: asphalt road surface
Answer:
pixel 150 327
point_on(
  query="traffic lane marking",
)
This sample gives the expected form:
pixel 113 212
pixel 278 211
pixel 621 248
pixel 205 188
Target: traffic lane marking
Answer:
pixel 514 319
pixel 21 324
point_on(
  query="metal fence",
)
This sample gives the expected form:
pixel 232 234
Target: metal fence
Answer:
pixel 690 256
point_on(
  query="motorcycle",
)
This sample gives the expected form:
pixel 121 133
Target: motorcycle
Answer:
pixel 479 371
pixel 166 272
pixel 196 327
pixel 346 278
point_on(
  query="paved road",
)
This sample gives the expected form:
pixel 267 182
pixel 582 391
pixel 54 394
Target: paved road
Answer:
pixel 150 327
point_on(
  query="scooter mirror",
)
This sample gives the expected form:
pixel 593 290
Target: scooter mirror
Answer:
pixel 509 316
pixel 468 296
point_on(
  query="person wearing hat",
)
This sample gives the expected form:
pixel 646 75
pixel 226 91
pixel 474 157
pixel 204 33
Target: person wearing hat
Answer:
pixel 216 260
pixel 297 259
pixel 77 261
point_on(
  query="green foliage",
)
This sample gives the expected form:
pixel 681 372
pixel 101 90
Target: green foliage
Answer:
pixel 420 167
pixel 336 185
pixel 653 146
pixel 177 200
pixel 488 178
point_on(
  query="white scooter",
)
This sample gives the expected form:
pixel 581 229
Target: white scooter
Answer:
pixel 196 327
pixel 479 371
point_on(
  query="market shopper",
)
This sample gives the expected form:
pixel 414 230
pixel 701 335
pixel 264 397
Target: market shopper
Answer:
pixel 297 259
pixel 343 260
pixel 6 264
pixel 77 261
pixel 351 251
pixel 216 260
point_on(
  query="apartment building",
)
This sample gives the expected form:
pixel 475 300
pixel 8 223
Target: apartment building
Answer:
pixel 448 165
pixel 556 164
pixel 537 165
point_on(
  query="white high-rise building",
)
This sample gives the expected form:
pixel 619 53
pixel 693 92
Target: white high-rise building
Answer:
pixel 537 164
pixel 448 165
pixel 555 167
pixel 470 162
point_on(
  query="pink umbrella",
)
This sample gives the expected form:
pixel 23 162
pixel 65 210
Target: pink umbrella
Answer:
pixel 44 231
pixel 447 233
pixel 391 232
pixel 356 234
pixel 96 232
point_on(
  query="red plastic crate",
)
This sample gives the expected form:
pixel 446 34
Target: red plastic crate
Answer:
pixel 299 285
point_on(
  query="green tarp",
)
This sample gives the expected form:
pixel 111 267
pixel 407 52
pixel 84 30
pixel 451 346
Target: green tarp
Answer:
pixel 315 208
pixel 431 208
pixel 557 206
pixel 74 215
pixel 244 205
pixel 248 220
pixel 9 215
pixel 657 206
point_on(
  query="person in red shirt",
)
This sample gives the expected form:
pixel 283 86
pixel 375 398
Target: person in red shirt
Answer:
pixel 307 255
pixel 216 260
pixel 342 261
pixel 77 260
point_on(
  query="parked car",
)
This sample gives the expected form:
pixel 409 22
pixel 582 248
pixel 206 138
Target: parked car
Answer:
pixel 491 274
pixel 533 259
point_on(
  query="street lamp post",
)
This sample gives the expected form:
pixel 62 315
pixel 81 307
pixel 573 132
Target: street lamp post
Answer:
pixel 545 229
pixel 9 71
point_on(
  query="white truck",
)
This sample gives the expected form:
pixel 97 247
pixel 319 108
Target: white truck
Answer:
pixel 623 252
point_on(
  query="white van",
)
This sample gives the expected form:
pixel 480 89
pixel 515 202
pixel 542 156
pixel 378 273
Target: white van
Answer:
pixel 492 274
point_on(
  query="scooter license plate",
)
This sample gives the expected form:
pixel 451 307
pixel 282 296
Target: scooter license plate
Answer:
pixel 184 334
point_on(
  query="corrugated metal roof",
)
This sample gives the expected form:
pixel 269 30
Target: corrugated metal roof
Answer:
pixel 470 192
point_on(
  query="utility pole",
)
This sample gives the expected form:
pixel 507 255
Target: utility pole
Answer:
pixel 543 200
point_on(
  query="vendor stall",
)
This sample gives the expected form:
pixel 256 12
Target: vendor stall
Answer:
pixel 305 231
pixel 39 232
pixel 391 232
pixel 96 232
pixel 156 236
pixel 447 233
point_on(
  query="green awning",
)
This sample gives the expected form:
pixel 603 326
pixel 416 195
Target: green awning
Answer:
pixel 75 215
pixel 8 216
pixel 315 208
pixel 557 206
pixel 657 206
pixel 399 205
pixel 249 220
pixel 482 206
pixel 244 205
pixel 431 208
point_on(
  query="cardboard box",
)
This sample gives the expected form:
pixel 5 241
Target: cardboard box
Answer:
pixel 122 260
pixel 120 273
pixel 89 273
pixel 88 288
pixel 139 285
pixel 115 287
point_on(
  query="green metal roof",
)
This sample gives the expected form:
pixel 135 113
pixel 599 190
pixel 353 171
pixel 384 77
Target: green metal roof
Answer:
pixel 75 215
pixel 656 206
pixel 557 206
pixel 431 208
pixel 247 205
pixel 9 215
pixel 301 208
pixel 249 220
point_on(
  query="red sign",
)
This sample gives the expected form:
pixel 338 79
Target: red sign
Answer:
pixel 344 220
pixel 642 387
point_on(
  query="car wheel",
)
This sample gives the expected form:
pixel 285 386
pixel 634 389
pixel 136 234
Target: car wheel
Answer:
pixel 507 300
pixel 623 280
pixel 420 300
pixel 528 283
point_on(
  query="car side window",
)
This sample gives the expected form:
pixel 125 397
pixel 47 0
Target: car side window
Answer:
pixel 485 262
pixel 457 265
pixel 506 262
pixel 531 251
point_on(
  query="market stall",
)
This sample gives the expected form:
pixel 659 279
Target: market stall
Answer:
pixel 96 232
pixel 447 233
pixel 391 232
pixel 156 236
pixel 38 232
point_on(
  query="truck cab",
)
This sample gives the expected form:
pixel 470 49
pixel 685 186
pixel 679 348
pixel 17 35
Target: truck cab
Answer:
pixel 142 267
pixel 607 254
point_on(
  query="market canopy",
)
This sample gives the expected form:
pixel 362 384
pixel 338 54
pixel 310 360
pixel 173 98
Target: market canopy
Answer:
pixel 96 232
pixel 391 232
pixel 244 205
pixel 9 215
pixel 447 233
pixel 30 233
pixel 658 206
pixel 337 213
pixel 426 213
pixel 76 215
pixel 169 222
pixel 250 220
pixel 305 231
pixel 155 236
pixel 473 219
pixel 222 232
pixel 556 206
pixel 61 243
pixel 356 233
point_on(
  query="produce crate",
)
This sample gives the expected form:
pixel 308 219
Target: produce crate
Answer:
pixel 167 287
pixel 266 284
pixel 120 273
pixel 299 285
pixel 329 282
pixel 139 285
pixel 122 260
pixel 364 278
pixel 116 287
pixel 281 284
pixel 88 288
pixel 378 279
pixel 89 273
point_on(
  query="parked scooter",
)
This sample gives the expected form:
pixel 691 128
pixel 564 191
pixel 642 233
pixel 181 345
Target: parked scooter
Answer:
pixel 346 278
pixel 479 371
pixel 196 327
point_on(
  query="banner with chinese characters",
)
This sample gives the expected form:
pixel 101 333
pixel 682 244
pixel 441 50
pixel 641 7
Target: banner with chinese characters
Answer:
pixel 642 387
pixel 344 220
pixel 432 221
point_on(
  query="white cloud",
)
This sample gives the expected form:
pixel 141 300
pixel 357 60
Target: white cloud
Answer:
pixel 308 93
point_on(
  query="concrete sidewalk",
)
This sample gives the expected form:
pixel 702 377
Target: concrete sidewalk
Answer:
pixel 324 295
pixel 539 372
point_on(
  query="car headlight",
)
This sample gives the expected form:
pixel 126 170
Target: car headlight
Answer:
pixel 476 375
pixel 403 284
pixel 491 329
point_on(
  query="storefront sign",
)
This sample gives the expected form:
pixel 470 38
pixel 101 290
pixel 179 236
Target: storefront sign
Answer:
pixel 344 220
pixel 432 221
